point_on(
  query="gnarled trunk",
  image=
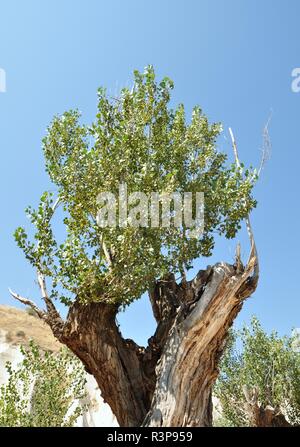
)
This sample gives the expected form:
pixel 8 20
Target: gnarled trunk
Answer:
pixel 168 383
pixel 188 365
pixel 262 415
pixel 268 417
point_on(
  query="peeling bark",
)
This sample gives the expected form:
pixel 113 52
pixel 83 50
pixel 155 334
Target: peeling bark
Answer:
pixel 92 334
pixel 262 416
pixel 168 383
pixel 267 417
pixel 188 365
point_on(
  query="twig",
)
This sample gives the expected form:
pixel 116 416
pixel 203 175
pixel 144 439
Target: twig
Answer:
pixel 267 146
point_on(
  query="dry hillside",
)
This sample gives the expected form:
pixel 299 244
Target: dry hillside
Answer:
pixel 20 328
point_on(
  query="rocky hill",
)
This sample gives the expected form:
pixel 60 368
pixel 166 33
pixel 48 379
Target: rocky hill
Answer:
pixel 18 327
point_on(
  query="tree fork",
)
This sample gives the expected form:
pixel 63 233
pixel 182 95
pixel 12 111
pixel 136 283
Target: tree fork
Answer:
pixel 169 382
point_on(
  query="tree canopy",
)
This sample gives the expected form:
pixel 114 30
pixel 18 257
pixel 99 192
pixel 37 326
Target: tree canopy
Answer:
pixel 140 140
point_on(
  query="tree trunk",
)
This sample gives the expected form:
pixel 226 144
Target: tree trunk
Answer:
pixel 168 383
pixel 188 365
pixel 260 415
pixel 268 417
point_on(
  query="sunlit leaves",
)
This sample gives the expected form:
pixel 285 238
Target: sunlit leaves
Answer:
pixel 42 391
pixel 269 363
pixel 137 139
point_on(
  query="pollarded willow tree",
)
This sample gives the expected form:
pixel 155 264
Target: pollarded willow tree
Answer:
pixel 139 140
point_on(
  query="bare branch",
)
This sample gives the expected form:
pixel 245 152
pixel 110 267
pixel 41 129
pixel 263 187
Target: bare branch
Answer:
pixel 55 205
pixel 52 317
pixel 238 259
pixel 29 303
pixel 42 284
pixel 253 257
pixel 107 252
pixel 235 150
pixel 267 146
pixel 51 309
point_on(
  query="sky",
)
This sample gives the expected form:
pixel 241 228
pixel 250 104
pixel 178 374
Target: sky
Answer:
pixel 232 57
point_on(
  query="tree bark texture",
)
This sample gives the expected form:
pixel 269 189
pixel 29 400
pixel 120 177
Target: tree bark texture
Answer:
pixel 168 383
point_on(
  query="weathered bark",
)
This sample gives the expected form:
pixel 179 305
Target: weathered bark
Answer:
pixel 267 417
pixel 92 334
pixel 124 371
pixel 168 383
pixel 260 415
pixel 188 365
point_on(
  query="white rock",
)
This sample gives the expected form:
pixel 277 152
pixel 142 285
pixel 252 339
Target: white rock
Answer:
pixel 98 414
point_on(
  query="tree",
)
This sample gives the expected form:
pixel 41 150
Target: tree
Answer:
pixel 259 385
pixel 42 391
pixel 139 140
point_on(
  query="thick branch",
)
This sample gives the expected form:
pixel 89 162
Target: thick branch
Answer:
pixel 189 362
pixel 92 334
pixel 253 252
pixel 54 319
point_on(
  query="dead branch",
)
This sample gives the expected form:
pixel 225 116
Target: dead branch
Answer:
pixel 27 302
pixel 253 251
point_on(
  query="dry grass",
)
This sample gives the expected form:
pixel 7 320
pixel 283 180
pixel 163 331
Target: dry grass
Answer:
pixel 22 327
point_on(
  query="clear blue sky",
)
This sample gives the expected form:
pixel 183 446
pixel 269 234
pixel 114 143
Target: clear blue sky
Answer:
pixel 232 57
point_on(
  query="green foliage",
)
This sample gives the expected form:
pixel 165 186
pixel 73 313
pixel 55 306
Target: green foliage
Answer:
pixel 267 362
pixel 139 140
pixel 41 391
